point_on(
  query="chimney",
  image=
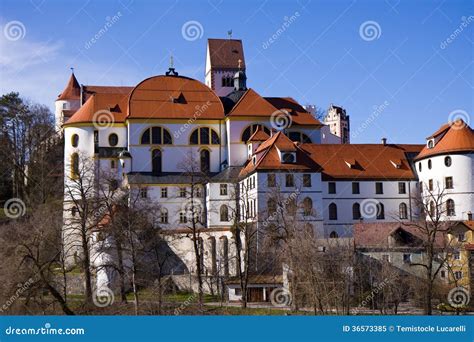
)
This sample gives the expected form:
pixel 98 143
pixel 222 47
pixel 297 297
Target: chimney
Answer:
pixel 384 141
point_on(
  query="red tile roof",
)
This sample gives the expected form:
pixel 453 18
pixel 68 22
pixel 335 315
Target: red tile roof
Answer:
pixel 368 161
pixel 252 104
pixel 453 137
pixel 174 97
pixel 375 235
pixel 225 53
pixel 72 90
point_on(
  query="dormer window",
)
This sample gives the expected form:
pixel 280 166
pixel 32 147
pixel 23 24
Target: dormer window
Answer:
pixel 430 143
pixel 351 163
pixel 397 163
pixel 288 158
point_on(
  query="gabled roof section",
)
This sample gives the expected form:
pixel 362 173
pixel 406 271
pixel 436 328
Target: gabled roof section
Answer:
pixel 225 53
pixel 174 97
pixel 72 90
pixel 259 135
pixel 267 157
pixel 454 137
pixel 252 104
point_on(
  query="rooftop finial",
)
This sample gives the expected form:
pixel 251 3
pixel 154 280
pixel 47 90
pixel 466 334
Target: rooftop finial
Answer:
pixel 171 62
pixel 229 33
pixel 171 71
pixel 72 69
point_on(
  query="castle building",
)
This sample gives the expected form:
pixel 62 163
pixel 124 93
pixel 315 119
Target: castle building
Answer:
pixel 147 137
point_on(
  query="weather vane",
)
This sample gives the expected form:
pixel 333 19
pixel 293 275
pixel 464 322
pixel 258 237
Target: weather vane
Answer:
pixel 72 69
pixel 229 33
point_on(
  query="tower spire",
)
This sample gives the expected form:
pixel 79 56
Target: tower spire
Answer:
pixel 171 71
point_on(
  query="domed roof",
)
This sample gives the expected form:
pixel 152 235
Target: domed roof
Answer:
pixel 453 137
pixel 173 97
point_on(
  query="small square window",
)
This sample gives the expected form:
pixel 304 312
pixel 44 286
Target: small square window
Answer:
pixel 448 182
pixel 379 188
pixel 331 187
pixel 355 188
pixel 430 185
pixel 271 180
pixel 164 192
pixel 458 275
pixel 402 188
pixel 223 189
pixel 457 256
pixel 307 180
pixel 461 237
pixel 143 192
pixel 407 258
pixel 386 258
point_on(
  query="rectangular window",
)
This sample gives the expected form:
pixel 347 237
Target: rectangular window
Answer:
pixel 182 192
pixel 355 188
pixel 223 189
pixel 407 258
pixel 271 180
pixel 379 188
pixel 402 188
pixel 461 237
pixel 198 192
pixel 331 187
pixel 458 275
pixel 307 180
pixel 113 164
pixel 143 192
pixel 290 182
pixel 430 185
pixel 448 182
pixel 443 274
pixel 457 256
pixel 164 192
pixel 386 258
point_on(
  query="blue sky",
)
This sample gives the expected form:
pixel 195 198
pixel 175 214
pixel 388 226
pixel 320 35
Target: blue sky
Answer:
pixel 401 80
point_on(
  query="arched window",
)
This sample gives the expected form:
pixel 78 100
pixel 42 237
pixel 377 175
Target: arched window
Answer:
pixel 204 136
pixel 224 252
pixel 380 211
pixel 205 157
pixel 447 161
pixel 271 205
pixel 164 216
pixel 156 136
pixel 402 210
pixel 74 165
pixel 224 211
pixel 429 164
pixel 247 133
pixel 332 211
pixel 74 140
pixel 307 206
pixel 450 208
pixel 113 139
pixel 356 211
pixel 156 162
pixel 333 235
pixel 299 137
pixel 182 217
pixel 419 166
